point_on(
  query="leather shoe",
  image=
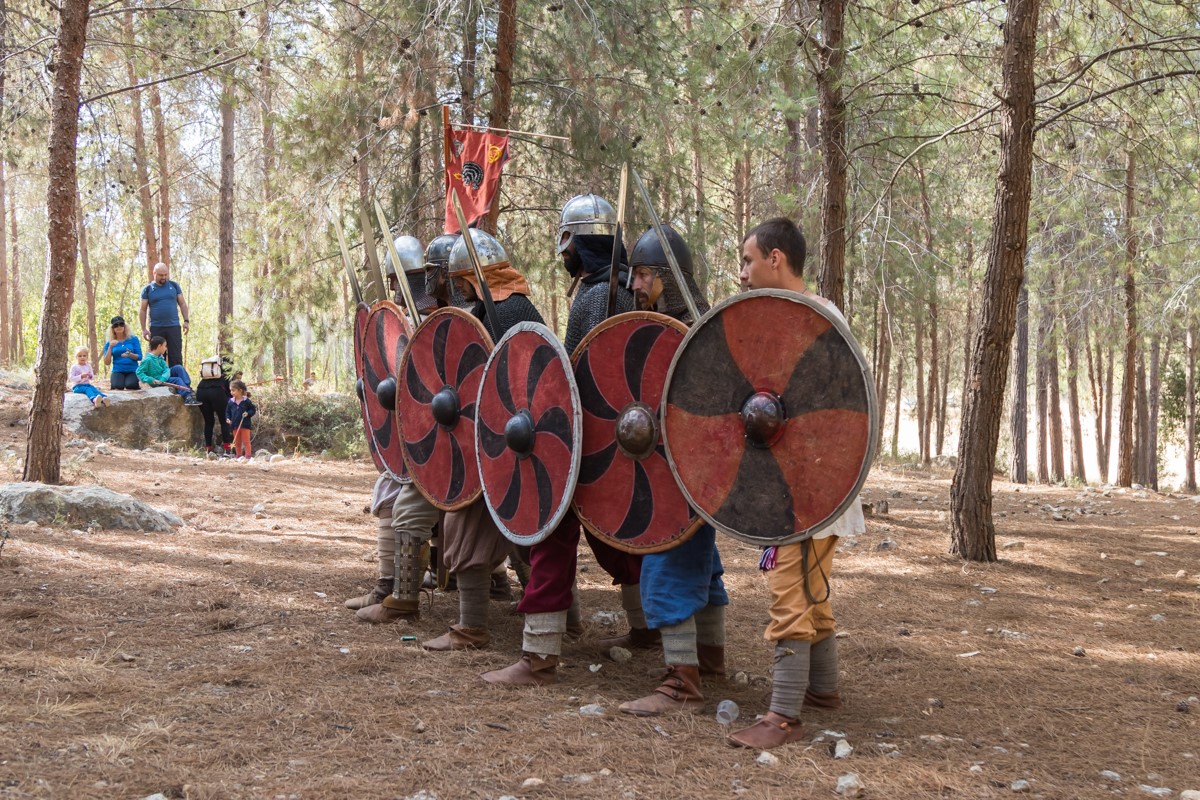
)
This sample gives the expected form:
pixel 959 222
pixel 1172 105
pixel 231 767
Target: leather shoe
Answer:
pixel 382 589
pixel 531 670
pixel 459 638
pixel 772 730
pixel 680 691
pixel 390 610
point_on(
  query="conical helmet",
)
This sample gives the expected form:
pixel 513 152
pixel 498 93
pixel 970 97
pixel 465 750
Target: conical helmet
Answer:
pixel 489 250
pixel 585 214
pixel 412 256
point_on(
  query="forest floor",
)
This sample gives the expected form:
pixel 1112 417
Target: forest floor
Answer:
pixel 218 661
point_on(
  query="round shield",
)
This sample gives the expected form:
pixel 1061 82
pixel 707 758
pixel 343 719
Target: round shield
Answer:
pixel 626 494
pixel 527 433
pixel 361 314
pixel 387 335
pixel 439 378
pixel 769 416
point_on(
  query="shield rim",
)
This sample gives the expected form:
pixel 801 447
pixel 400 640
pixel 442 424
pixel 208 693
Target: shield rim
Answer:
pixel 377 307
pixel 358 336
pixel 576 435
pixel 698 521
pixel 818 305
pixel 453 311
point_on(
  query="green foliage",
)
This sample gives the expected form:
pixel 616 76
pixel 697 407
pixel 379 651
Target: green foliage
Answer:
pixel 290 421
pixel 1174 401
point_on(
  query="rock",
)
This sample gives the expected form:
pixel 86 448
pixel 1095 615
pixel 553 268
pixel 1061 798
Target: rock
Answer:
pixel 1109 775
pixel 424 794
pixel 1158 618
pixel 1181 573
pixel 1183 707
pixel 156 795
pixel 767 759
pixel 935 702
pixel 532 783
pixel 741 678
pixel 1155 791
pixel 135 419
pixel 419 727
pixel 102 450
pixel 1079 651
pixel 1136 486
pixel 591 710
pixel 577 778
pixel 1190 794
pixel 849 785
pixel 259 515
pixel 887 544
pixel 82 506
pixel 619 654
pixel 258 508
pixel 275 459
pixel 264 453
pixel 842 749
pixel 1013 546
pixel 1020 785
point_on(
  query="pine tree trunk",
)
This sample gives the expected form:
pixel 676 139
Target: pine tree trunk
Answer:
pixel 1125 440
pixel 1141 416
pixel 43 446
pixel 5 341
pixel 362 130
pixel 1054 396
pixel 941 415
pixel 883 361
pixel 141 165
pixel 225 222
pixel 17 319
pixel 833 152
pixel 273 257
pixel 470 51
pixel 1041 384
pixel 896 408
pixel 164 177
pixel 1110 371
pixel 501 112
pixel 1155 392
pixel 1193 341
pixel 919 365
pixel 931 404
pixel 1078 471
pixel 972 528
pixel 1019 420
pixel 89 285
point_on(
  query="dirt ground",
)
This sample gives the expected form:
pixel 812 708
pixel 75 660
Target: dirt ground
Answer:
pixel 218 661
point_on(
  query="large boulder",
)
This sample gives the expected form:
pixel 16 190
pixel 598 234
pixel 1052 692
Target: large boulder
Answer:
pixel 80 506
pixel 136 419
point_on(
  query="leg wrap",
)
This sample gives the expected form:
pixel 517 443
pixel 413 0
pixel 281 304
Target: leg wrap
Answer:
pixel 710 626
pixel 543 633
pixel 385 544
pixel 474 587
pixel 631 601
pixel 679 643
pixel 408 569
pixel 790 677
pixel 823 669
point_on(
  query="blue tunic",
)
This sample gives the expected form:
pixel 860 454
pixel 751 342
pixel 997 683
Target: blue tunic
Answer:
pixel 682 581
pixel 164 307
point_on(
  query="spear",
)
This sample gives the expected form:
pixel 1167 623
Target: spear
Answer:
pixel 614 267
pixel 355 289
pixel 484 292
pixel 372 256
pixel 401 278
pixel 666 246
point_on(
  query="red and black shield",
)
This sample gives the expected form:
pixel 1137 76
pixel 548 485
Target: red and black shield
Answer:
pixel 387 335
pixel 361 314
pixel 439 378
pixel 626 494
pixel 769 416
pixel 528 433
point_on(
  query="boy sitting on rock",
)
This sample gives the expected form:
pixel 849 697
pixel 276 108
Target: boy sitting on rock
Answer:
pixel 153 370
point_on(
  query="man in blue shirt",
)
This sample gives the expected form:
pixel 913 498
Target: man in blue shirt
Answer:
pixel 164 300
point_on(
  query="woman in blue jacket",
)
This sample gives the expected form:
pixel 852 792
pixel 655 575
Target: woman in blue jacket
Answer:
pixel 123 351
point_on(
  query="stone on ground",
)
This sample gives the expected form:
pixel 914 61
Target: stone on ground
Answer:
pixel 136 420
pixel 80 506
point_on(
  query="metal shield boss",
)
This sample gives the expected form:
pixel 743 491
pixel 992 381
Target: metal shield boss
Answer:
pixel 438 381
pixel 528 433
pixel 769 416
pixel 626 494
pixel 361 314
pixel 387 334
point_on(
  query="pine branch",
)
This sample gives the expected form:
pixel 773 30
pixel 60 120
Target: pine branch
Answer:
pixel 167 79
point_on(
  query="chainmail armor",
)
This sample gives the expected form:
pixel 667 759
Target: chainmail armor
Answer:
pixel 590 308
pixel 513 309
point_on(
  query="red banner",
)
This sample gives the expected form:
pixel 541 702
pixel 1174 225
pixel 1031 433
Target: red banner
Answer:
pixel 474 160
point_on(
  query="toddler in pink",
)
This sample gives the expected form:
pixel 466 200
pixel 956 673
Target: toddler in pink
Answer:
pixel 81 377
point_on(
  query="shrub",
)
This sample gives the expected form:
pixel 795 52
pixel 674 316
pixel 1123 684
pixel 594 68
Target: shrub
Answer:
pixel 289 420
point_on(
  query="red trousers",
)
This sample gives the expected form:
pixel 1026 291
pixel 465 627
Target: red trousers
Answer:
pixel 241 443
pixel 552 568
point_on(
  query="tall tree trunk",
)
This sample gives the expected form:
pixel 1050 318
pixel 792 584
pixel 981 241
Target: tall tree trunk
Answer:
pixel 361 127
pixel 5 341
pixel 883 360
pixel 941 414
pixel 931 405
pixel 1193 341
pixel 89 285
pixel 1020 392
pixel 972 527
pixel 1125 441
pixel 1042 385
pixel 1078 471
pixel 831 59
pixel 140 161
pixel 1110 372
pixel 17 319
pixel 43 445
pixel 225 221
pixel 164 177
pixel 1141 415
pixel 501 113
pixel 272 257
pixel 470 51
pixel 1053 393
pixel 1155 392
pixel 896 407
pixel 919 366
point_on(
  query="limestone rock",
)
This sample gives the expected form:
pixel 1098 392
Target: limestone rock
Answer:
pixel 81 506
pixel 136 419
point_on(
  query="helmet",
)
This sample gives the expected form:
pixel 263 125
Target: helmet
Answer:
pixel 648 252
pixel 585 214
pixel 411 252
pixel 437 270
pixel 490 252
pixel 437 254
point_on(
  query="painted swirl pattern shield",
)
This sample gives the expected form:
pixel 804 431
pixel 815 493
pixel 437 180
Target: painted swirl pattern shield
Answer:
pixel 528 433
pixel 769 416
pixel 387 335
pixel 361 314
pixel 438 381
pixel 626 494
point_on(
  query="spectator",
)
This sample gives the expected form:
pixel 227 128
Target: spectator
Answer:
pixel 123 352
pixel 164 300
pixel 154 371
pixel 81 376
pixel 310 381
pixel 213 392
pixel 238 413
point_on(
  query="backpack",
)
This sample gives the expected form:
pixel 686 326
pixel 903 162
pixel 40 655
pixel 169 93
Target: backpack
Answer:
pixel 211 368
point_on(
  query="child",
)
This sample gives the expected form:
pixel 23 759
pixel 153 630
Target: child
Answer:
pixel 238 413
pixel 153 370
pixel 81 377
